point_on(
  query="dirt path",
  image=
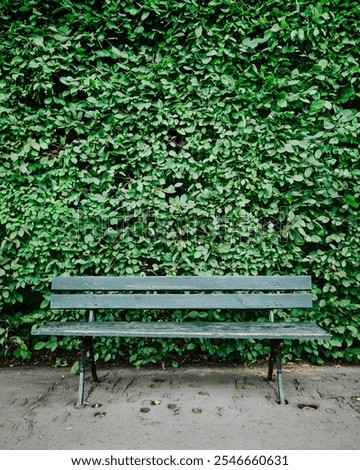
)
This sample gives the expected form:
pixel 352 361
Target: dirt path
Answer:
pixel 186 408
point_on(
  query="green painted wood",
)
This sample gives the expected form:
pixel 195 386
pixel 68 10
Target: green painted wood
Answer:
pixel 180 301
pixel 243 330
pixel 180 283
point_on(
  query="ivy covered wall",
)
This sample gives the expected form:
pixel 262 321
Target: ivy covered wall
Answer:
pixel 165 137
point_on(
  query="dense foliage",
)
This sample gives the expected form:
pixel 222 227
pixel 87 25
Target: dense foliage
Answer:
pixel 179 137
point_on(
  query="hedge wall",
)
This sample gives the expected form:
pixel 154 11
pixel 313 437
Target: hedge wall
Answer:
pixel 179 137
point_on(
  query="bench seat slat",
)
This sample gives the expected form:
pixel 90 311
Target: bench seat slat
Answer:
pixel 180 301
pixel 241 330
pixel 180 283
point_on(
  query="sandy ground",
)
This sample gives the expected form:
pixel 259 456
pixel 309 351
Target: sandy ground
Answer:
pixel 186 408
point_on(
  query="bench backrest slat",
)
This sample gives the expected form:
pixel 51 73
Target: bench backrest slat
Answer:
pixel 181 283
pixel 180 301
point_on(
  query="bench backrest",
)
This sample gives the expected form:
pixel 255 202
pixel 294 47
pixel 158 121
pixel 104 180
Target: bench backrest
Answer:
pixel 181 292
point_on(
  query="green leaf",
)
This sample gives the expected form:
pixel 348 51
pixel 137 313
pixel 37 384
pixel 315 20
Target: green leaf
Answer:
pixel 252 43
pixel 298 178
pixel 317 104
pixel 282 103
pixel 117 53
pixel 75 368
pixel 34 64
pixel 228 81
pixel 39 41
pixel 170 189
pixel 347 93
pixel 60 38
pixel 198 31
pixel 347 115
pixel 45 303
pixel 351 201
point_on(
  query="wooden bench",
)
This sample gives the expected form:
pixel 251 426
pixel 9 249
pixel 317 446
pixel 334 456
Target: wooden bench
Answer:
pixel 182 292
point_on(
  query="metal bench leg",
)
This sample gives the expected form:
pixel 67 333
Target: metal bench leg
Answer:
pixel 80 395
pixel 89 345
pixel 279 374
pixel 92 361
pixel 273 345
